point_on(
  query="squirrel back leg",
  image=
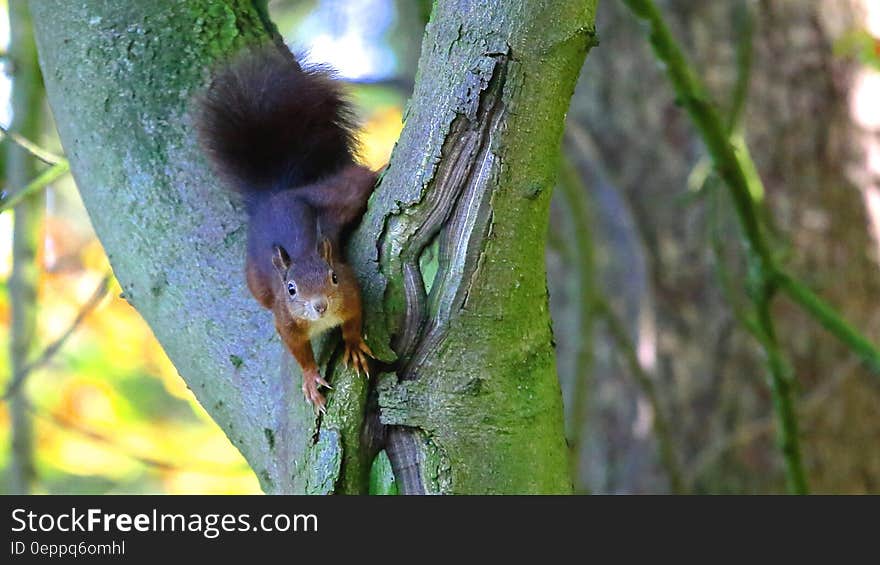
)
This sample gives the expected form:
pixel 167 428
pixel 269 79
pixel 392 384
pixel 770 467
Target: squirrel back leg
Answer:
pixel 259 285
pixel 340 199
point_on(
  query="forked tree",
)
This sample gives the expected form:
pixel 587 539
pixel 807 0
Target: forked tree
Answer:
pixel 450 253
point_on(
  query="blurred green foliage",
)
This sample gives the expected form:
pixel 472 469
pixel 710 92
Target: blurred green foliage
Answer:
pixel 861 44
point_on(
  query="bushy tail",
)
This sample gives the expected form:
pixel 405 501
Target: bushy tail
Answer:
pixel 268 123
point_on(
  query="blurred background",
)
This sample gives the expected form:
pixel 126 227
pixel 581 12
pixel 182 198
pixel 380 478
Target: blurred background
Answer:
pixel 664 389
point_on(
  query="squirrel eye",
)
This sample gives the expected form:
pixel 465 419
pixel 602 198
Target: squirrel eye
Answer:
pixel 333 277
pixel 291 288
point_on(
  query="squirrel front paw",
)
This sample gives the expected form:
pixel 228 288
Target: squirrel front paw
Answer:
pixel 312 380
pixel 356 354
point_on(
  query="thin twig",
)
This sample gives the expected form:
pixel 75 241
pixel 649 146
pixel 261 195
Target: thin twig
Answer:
pixel 662 431
pixel 42 154
pixel 53 348
pixel 830 319
pixel 580 252
pixel 598 307
pixel 744 31
pixel 26 98
pixel 151 462
pixel 753 430
pixel 48 176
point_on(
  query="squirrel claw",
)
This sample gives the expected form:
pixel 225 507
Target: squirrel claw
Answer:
pixel 323 382
pixel 312 394
pixel 356 354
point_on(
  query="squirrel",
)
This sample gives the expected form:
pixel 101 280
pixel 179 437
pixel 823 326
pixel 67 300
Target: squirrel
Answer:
pixel 281 134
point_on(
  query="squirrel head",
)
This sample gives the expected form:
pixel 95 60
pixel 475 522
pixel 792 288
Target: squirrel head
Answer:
pixel 309 284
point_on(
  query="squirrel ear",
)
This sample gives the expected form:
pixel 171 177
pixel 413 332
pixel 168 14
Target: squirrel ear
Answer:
pixel 280 259
pixel 326 249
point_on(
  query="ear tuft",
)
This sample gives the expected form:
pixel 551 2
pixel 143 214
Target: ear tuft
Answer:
pixel 326 250
pixel 280 259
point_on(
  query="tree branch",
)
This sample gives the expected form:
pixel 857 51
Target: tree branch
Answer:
pixel 111 443
pixel 830 319
pixel 47 177
pixel 599 307
pixel 19 377
pixel 42 154
pixel 580 251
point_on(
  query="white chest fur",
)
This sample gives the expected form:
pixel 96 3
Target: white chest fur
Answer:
pixel 321 325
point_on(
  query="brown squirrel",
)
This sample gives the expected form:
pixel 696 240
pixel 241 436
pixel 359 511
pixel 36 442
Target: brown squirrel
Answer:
pixel 282 136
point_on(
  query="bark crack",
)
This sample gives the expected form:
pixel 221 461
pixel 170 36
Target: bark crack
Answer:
pixel 456 208
pixel 468 220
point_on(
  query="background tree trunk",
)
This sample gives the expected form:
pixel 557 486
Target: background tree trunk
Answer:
pixel 470 181
pixel 659 270
pixel 21 168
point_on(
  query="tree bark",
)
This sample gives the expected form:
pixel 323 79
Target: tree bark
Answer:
pixel 27 105
pixel 471 175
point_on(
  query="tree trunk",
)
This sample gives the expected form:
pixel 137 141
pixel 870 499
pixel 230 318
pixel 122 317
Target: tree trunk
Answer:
pixel 27 108
pixel 470 182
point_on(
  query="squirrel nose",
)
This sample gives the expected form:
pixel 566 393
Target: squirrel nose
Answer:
pixel 320 306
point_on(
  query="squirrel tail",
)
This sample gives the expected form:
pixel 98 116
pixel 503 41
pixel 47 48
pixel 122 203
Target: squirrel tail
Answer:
pixel 268 123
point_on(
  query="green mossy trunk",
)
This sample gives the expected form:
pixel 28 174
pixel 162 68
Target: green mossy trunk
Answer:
pixel 457 281
pixel 480 149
